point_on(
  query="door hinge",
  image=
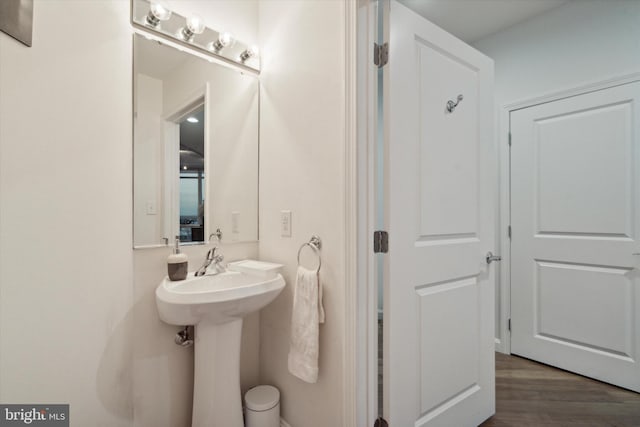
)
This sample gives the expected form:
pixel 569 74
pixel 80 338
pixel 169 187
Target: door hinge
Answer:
pixel 380 242
pixel 509 231
pixel 380 54
pixel 509 139
pixel 509 325
pixel 381 422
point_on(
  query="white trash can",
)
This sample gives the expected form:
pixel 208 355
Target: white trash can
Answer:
pixel 262 407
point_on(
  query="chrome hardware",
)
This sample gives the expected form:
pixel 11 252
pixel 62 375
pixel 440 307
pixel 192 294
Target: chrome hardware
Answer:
pixel 491 257
pixel 316 244
pixel 451 105
pixel 217 234
pixel 214 259
pixel 184 338
pixel 166 241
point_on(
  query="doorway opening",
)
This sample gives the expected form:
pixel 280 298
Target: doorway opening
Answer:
pixel 192 178
pixel 543 51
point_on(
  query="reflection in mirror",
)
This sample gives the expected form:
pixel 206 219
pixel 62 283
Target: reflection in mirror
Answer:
pixel 195 149
pixel 192 177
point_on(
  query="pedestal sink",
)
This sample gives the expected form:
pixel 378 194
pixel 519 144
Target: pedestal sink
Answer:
pixel 216 305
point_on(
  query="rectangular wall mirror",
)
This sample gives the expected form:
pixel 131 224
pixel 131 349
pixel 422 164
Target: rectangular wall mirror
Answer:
pixel 195 148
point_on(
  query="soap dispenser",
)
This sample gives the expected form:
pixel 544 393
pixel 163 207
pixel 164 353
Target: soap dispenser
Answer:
pixel 177 263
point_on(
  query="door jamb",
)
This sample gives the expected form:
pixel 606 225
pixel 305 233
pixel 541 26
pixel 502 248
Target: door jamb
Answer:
pixel 503 342
pixel 361 306
pixel 352 336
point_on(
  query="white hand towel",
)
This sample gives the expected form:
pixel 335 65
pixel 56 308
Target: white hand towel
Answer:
pixel 308 313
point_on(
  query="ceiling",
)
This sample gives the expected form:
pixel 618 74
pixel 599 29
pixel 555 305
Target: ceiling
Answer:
pixel 192 141
pixel 472 20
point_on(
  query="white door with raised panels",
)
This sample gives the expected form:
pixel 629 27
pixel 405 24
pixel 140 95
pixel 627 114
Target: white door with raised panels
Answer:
pixel 440 177
pixel 575 212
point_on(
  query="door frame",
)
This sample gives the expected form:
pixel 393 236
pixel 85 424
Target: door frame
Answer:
pixel 358 371
pixel 503 342
pixel 361 338
pixel 171 136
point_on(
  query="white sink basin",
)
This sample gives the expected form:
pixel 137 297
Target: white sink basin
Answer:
pixel 220 298
pixel 216 305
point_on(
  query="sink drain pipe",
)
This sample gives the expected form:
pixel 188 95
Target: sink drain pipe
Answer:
pixel 184 337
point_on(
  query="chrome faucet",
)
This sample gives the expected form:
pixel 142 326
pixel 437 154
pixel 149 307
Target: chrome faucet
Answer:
pixel 214 259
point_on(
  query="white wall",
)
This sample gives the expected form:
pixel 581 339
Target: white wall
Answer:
pixel 69 306
pixel 148 161
pixel 581 42
pixel 302 145
pixel 65 212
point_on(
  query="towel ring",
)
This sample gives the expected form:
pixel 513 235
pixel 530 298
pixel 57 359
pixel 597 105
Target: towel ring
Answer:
pixel 314 243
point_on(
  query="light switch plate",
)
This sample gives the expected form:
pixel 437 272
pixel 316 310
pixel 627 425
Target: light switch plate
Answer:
pixel 285 223
pixel 235 222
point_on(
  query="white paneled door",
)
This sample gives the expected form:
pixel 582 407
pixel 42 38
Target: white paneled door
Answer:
pixel 440 175
pixel 575 206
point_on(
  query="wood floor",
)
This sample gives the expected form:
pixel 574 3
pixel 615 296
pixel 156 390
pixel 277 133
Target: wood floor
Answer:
pixel 533 394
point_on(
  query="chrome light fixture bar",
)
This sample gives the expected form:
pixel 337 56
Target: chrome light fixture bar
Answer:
pixel 153 16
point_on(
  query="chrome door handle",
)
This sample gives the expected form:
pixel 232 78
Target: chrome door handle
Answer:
pixel 491 257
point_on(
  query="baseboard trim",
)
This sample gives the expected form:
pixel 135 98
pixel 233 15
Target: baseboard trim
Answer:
pixel 283 423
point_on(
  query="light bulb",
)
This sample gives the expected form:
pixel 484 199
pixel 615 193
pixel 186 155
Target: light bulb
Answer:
pixel 249 53
pixel 224 40
pixel 157 12
pixel 195 25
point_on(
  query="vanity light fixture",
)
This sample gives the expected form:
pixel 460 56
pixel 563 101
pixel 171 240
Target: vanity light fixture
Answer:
pixel 184 167
pixel 192 119
pixel 191 34
pixel 249 53
pixel 195 25
pixel 157 12
pixel 224 40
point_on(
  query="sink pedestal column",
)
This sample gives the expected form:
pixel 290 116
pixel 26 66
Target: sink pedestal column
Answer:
pixel 217 400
